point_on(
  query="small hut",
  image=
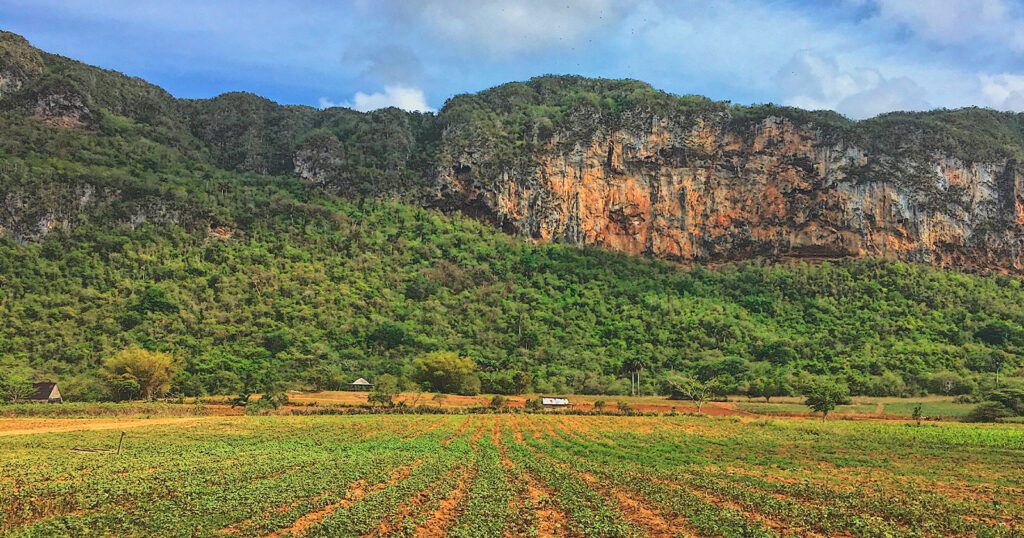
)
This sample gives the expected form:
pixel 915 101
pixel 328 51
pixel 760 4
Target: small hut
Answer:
pixel 360 385
pixel 46 393
pixel 555 402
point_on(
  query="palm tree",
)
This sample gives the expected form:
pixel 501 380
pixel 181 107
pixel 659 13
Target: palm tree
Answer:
pixel 634 366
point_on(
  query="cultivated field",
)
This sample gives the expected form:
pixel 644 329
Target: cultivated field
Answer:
pixel 518 475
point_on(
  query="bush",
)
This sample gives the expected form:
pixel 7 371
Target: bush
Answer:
pixel 624 406
pixel 988 412
pixel 1012 399
pixel 599 404
pixel 498 402
pixel 534 404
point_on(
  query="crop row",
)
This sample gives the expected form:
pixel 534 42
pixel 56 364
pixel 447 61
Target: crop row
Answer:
pixel 503 475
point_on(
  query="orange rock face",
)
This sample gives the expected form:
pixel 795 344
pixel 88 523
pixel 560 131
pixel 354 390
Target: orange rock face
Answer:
pixel 713 192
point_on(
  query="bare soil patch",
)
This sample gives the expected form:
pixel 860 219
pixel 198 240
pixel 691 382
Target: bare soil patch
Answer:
pixel 30 426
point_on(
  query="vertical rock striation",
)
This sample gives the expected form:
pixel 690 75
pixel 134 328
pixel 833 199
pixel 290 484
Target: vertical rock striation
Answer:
pixel 717 189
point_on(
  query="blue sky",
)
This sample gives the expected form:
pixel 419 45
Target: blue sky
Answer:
pixel 860 57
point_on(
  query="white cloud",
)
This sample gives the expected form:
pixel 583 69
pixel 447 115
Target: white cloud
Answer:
pixel 961 22
pixel 503 28
pixel 406 98
pixel 1003 92
pixel 327 103
pixel 816 81
pixel 889 94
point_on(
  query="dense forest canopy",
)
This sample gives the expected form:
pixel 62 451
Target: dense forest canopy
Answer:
pixel 179 226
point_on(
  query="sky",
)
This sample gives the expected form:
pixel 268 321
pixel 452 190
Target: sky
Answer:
pixel 858 57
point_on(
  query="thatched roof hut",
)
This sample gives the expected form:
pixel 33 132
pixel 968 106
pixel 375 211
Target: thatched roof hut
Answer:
pixel 360 384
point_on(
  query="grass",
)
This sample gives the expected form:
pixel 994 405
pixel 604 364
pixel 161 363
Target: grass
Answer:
pixel 493 475
pixel 89 409
pixel 769 408
pixel 931 409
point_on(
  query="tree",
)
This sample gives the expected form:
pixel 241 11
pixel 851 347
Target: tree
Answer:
pixel 152 371
pixel 445 371
pixel 694 389
pixel 634 366
pixel 824 397
pixel 155 300
pixel 15 388
pixel 988 412
pixel 521 381
pixel 768 388
pixel 534 404
pixel 385 391
pixel 1012 398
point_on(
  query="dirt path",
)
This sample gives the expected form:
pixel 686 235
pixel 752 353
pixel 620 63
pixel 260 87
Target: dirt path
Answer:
pixel 29 426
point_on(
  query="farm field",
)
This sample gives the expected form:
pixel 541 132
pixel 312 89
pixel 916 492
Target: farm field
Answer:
pixel 861 406
pixel 514 475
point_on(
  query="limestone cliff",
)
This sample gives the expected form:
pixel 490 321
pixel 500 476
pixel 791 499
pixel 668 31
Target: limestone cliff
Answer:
pixel 716 190
pixel 612 163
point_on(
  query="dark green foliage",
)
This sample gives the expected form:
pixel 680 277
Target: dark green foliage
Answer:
pixel 498 402
pixel 824 397
pixel 988 412
pixel 165 237
pixel 155 300
pixel 534 404
pixel 1012 398
pixel 769 387
pixel 14 387
pixel 385 390
pixel 323 297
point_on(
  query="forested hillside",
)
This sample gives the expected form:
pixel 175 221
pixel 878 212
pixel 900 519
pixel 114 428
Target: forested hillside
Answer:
pixel 210 230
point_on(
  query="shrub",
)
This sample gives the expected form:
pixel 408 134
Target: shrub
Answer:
pixel 498 402
pixel 988 412
pixel 1012 398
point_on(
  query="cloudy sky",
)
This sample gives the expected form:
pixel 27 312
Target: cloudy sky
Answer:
pixel 859 57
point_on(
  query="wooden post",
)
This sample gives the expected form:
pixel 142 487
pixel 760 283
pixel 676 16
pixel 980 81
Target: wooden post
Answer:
pixel 119 443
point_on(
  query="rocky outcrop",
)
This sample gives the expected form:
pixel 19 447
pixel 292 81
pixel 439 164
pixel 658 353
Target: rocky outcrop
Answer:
pixel 718 190
pixel 29 215
pixel 612 163
pixel 19 62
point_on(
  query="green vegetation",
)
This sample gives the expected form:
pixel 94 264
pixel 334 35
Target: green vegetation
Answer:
pixel 824 397
pixel 928 409
pixel 446 371
pixel 15 387
pixel 999 404
pixel 323 293
pixel 160 225
pixel 135 372
pixel 522 475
